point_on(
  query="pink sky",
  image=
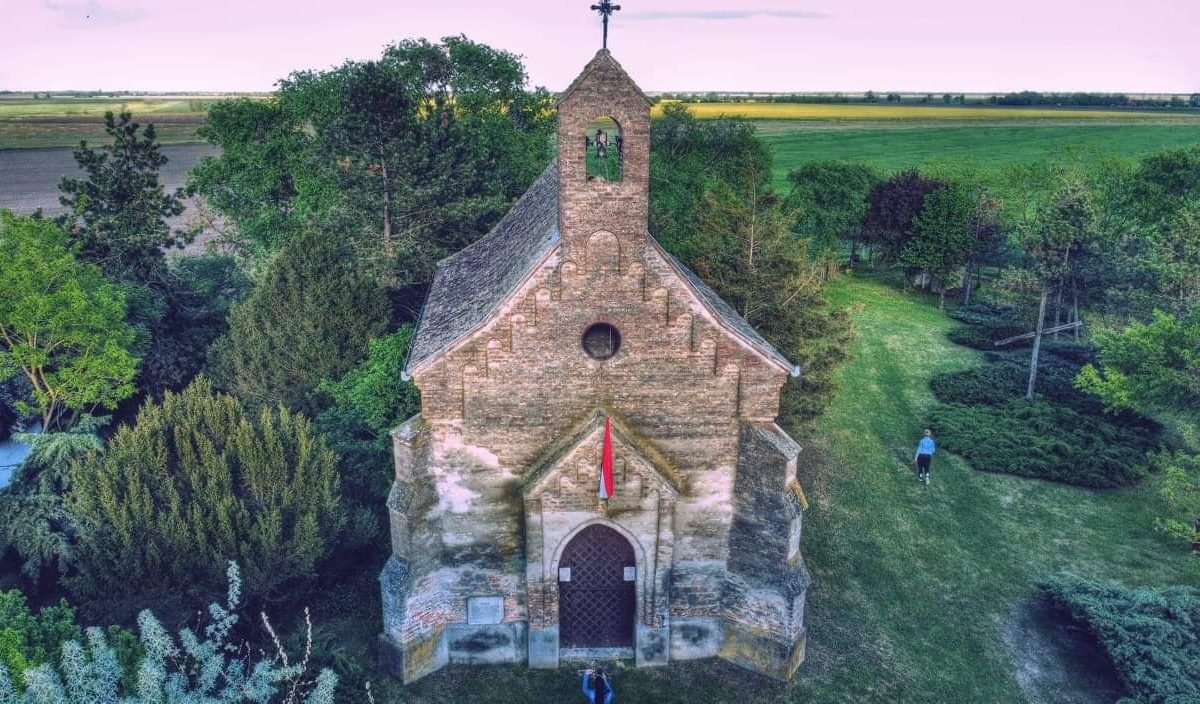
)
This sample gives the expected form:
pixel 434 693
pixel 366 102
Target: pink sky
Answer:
pixel 762 45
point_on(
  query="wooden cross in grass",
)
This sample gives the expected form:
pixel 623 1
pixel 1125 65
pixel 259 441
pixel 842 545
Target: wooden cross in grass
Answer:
pixel 605 8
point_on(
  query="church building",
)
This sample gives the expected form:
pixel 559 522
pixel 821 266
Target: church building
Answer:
pixel 596 471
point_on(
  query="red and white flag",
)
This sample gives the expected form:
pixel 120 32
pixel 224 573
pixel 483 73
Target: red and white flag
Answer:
pixel 606 463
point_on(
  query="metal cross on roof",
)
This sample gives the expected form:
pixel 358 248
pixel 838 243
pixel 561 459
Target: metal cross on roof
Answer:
pixel 605 8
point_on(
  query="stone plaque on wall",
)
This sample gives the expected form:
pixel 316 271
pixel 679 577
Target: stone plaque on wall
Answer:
pixel 485 610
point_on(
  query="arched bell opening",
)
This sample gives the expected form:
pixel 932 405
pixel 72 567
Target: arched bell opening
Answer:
pixel 605 147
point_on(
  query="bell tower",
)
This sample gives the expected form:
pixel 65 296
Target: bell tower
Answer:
pixel 603 165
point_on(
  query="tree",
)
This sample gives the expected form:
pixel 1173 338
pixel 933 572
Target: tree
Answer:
pixel 751 258
pixel 118 213
pixel 261 181
pixel 1149 367
pixel 214 669
pixel 310 317
pixel 712 205
pixel 687 158
pixel 1153 213
pixel 411 156
pixel 944 235
pixel 1155 368
pixel 1055 242
pixel 892 208
pixel 987 235
pixel 35 522
pixel 196 479
pixel 61 324
pixel 830 198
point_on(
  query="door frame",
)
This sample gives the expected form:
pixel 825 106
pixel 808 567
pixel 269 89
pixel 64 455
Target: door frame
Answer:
pixel 632 586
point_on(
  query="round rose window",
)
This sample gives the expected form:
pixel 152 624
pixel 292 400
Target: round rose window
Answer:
pixel 601 341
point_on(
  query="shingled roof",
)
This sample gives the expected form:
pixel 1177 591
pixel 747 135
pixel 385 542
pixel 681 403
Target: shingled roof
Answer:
pixel 470 284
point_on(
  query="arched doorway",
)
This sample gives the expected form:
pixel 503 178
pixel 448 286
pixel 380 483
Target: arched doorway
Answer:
pixel 597 596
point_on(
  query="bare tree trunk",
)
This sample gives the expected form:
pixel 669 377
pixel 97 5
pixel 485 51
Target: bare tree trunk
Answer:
pixel 1037 345
pixel 387 206
pixel 1057 309
pixel 1075 309
pixel 970 275
pixel 942 298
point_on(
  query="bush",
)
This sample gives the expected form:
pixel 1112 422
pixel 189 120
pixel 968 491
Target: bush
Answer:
pixel 1152 636
pixel 1004 378
pixel 28 639
pixel 1045 440
pixel 160 668
pixel 984 323
pixel 194 480
pixel 373 391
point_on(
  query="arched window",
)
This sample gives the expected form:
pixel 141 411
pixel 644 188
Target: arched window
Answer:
pixel 604 145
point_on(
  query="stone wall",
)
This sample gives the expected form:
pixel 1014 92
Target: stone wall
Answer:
pixel 764 594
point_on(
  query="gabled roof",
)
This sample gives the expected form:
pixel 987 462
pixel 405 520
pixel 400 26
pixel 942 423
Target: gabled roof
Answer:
pixel 602 59
pixel 469 285
pixel 544 466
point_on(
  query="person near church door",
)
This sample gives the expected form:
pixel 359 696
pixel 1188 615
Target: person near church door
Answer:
pixel 596 686
pixel 924 457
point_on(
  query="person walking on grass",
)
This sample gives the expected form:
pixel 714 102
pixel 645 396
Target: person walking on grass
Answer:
pixel 924 456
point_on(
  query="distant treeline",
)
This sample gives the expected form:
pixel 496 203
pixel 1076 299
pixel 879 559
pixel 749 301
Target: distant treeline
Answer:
pixel 1023 98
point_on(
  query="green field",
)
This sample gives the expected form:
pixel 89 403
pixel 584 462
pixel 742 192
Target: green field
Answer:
pixel 63 121
pixel 920 593
pixel 858 112
pixel 986 148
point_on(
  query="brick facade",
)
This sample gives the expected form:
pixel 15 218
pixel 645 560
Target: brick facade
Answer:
pixel 498 472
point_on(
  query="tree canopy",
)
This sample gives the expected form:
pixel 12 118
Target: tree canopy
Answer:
pixel 412 156
pixel 61 324
pixel 310 317
pixel 118 213
pixel 197 480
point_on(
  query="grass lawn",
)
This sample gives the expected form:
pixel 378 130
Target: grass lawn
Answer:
pixel 920 594
pixel 987 148
pixel 892 113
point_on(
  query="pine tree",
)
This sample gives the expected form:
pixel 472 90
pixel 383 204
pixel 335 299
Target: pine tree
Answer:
pixel 309 318
pixel 196 480
pixel 118 213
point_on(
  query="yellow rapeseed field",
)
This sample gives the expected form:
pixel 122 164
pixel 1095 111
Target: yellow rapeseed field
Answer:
pixel 860 111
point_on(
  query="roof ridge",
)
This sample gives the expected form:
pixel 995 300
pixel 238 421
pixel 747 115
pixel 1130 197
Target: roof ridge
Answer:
pixel 603 54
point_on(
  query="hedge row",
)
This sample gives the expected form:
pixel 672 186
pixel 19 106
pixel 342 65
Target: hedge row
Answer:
pixel 1151 636
pixel 1046 440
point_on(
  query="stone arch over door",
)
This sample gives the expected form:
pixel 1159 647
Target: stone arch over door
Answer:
pixel 597 590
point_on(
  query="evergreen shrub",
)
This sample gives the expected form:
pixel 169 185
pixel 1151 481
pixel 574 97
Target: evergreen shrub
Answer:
pixel 194 480
pixel 1151 636
pixel 1045 440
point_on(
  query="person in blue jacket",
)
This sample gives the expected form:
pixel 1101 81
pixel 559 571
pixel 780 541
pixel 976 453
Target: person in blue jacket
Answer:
pixel 924 458
pixel 596 686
